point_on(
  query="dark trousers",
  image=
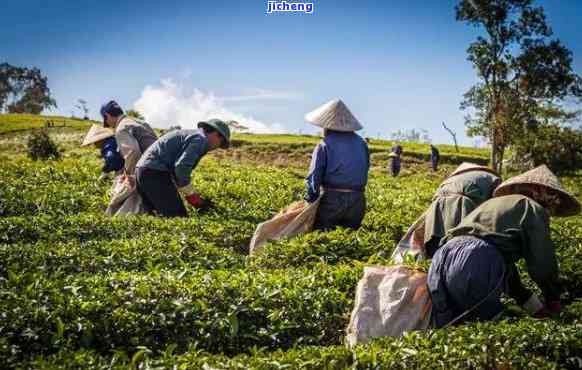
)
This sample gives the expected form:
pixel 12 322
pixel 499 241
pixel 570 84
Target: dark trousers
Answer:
pixel 159 193
pixel 340 209
pixel 464 273
pixel 395 166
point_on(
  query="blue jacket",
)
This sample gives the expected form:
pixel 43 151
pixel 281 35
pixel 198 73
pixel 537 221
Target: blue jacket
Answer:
pixel 111 156
pixel 178 152
pixel 341 160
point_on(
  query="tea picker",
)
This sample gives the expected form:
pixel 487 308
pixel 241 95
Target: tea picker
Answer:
pixel 165 169
pixel 339 165
pixel 476 262
pixel 103 139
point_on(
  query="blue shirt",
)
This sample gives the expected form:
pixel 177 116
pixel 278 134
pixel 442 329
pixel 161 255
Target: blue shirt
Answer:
pixel 179 152
pixel 111 156
pixel 341 160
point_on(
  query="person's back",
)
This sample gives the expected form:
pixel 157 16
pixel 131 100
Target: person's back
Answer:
pixel 347 161
pixel 140 130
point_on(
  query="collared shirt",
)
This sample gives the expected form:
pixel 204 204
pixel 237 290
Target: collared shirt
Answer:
pixel 179 152
pixel 520 228
pixel 111 156
pixel 133 138
pixel 340 160
pixel 455 198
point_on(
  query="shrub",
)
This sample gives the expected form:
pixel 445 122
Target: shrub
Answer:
pixel 41 146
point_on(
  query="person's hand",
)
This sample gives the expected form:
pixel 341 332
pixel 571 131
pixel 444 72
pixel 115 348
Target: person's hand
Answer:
pixel 195 200
pixel 206 206
pixel 542 313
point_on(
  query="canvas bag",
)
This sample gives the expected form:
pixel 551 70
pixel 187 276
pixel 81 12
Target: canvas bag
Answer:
pixel 389 302
pixel 125 200
pixel 296 219
pixel 412 243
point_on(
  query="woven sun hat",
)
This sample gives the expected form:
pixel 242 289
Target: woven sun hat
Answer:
pixel 468 167
pixel 542 178
pixel 334 115
pixel 97 133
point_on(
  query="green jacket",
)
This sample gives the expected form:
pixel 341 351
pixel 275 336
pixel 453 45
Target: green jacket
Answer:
pixel 455 198
pixel 520 228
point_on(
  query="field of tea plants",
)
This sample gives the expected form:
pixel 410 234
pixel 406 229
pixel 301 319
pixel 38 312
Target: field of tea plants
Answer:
pixel 80 290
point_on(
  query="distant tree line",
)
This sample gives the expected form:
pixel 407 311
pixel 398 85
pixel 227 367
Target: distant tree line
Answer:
pixel 24 90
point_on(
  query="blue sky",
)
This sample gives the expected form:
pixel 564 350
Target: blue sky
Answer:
pixel 398 65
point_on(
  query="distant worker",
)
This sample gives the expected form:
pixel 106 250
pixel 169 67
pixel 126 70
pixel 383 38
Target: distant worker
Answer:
pixel 395 159
pixel 434 157
pixel 339 165
pixel 477 260
pixel 457 196
pixel 133 135
pixel 104 139
pixel 165 169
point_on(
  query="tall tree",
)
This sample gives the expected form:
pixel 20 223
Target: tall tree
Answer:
pixel 520 69
pixel 82 106
pixel 24 90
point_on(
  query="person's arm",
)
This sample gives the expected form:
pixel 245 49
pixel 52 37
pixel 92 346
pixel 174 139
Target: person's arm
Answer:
pixel 129 148
pixel 540 254
pixel 111 157
pixel 186 163
pixel 316 171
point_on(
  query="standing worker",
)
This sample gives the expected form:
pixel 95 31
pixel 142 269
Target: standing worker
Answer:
pixel 165 169
pixel 434 157
pixel 339 165
pixel 477 260
pixel 395 160
pixel 133 136
pixel 103 139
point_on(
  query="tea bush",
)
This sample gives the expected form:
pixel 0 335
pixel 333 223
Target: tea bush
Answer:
pixel 81 290
pixel 41 146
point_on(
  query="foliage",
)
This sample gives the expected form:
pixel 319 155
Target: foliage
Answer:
pixel 412 135
pixel 519 69
pixel 81 290
pixel 135 114
pixel 41 146
pixel 24 90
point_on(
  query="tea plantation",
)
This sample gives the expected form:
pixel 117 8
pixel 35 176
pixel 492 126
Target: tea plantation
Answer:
pixel 80 290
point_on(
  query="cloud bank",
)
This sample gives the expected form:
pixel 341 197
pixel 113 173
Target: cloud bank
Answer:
pixel 169 105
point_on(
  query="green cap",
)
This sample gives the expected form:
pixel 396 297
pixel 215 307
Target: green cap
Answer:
pixel 219 126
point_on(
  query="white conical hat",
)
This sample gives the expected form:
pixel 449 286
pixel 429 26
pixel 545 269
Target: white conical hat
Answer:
pixel 97 133
pixel 543 177
pixel 468 167
pixel 334 115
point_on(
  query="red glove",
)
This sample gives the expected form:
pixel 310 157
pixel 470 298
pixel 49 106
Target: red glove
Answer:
pixel 195 200
pixel 554 307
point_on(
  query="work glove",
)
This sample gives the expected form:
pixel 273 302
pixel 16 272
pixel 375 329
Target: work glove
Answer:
pixel 195 200
pixel 554 307
pixel 535 307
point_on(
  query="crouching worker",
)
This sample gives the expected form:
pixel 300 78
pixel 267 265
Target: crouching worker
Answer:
pixel 339 165
pixel 165 169
pixel 103 139
pixel 477 261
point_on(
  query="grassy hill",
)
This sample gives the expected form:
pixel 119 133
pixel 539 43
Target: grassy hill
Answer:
pixel 283 149
pixel 82 290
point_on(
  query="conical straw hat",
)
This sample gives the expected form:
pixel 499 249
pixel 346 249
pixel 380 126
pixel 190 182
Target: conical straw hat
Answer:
pixel 97 133
pixel 334 115
pixel 468 167
pixel 541 177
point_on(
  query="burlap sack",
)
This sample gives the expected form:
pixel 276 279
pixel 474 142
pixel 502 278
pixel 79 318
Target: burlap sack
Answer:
pixel 296 219
pixel 389 302
pixel 125 200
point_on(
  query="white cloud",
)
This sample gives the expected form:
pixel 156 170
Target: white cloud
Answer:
pixel 169 105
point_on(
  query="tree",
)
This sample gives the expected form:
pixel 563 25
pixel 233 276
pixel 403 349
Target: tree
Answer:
pixel 135 114
pixel 24 90
pixel 82 106
pixel 454 136
pixel 520 69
